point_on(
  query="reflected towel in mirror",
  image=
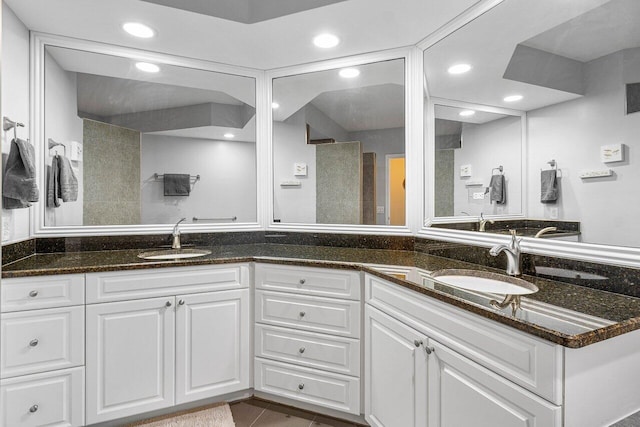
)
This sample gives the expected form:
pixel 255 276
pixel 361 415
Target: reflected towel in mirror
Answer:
pixel 497 189
pixel 177 184
pixel 549 186
pixel 61 182
pixel 19 186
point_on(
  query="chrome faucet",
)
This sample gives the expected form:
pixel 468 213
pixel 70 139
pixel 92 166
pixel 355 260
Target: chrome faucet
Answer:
pixel 482 223
pixel 176 235
pixel 545 230
pixel 513 254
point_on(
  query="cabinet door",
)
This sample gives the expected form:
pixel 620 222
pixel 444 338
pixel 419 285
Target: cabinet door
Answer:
pixel 212 344
pixel 463 393
pixel 130 358
pixel 395 373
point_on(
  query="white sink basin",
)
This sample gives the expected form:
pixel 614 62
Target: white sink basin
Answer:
pixel 484 281
pixel 171 254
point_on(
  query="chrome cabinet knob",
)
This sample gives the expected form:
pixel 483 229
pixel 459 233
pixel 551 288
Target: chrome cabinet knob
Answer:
pixel 417 343
pixel 303 281
pixel 302 314
pixel 301 350
pixel 181 302
pixel 168 304
pixel 33 294
pixel 429 350
pixel 33 343
pixel 33 409
pixel 300 386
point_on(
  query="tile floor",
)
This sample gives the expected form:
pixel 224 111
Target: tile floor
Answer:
pixel 259 413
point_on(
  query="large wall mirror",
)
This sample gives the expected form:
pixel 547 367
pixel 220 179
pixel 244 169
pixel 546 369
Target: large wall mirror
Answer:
pixel 339 146
pixel 574 68
pixel 129 140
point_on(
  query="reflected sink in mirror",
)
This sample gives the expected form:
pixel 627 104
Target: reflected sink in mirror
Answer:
pixel 483 281
pixel 171 254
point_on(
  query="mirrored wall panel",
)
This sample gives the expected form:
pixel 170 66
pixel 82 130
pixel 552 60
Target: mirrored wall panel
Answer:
pixel 574 68
pixel 477 162
pixel 130 142
pixel 339 146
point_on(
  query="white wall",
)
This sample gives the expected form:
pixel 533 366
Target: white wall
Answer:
pixel 15 105
pixel 572 133
pixel 63 125
pixel 227 185
pixel 382 142
pixel 484 147
pixel 293 204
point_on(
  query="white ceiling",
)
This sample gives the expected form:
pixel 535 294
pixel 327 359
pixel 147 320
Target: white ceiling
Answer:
pixel 362 25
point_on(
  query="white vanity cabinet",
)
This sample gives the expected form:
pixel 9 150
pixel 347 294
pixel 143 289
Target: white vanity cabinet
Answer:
pixel 307 335
pixel 145 354
pixel 42 360
pixel 413 379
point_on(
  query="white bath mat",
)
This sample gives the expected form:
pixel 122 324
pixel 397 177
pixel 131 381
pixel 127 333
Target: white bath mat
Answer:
pixel 212 416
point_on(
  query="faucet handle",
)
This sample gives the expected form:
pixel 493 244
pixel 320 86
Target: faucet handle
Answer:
pixel 514 239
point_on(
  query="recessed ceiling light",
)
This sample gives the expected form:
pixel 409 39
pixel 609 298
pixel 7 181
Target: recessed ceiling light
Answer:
pixel 138 30
pixel 467 113
pixel 459 68
pixel 326 41
pixel 513 98
pixel 229 135
pixel 147 67
pixel 275 105
pixel 349 73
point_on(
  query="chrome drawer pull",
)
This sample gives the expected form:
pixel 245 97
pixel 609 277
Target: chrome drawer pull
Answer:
pixel 181 302
pixel 429 350
pixel 417 343
pixel 302 314
pixel 300 386
pixel 302 281
pixel 33 409
pixel 33 294
pixel 301 350
pixel 168 304
pixel 33 342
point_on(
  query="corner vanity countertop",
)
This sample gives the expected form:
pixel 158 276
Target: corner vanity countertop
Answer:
pixel 619 313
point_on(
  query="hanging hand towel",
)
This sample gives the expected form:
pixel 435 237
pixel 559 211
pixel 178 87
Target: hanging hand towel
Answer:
pixel 53 200
pixel 67 180
pixel 549 186
pixel 497 189
pixel 19 186
pixel 177 184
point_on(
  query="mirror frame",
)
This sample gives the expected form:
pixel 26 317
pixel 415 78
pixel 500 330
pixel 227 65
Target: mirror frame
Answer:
pixel 430 159
pixel 413 105
pixel 590 252
pixel 38 43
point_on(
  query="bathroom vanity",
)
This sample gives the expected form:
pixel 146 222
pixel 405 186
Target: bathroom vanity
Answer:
pixel 349 338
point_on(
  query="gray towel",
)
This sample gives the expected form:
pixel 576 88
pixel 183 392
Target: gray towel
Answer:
pixel 61 182
pixel 177 184
pixel 549 186
pixel 19 186
pixel 498 191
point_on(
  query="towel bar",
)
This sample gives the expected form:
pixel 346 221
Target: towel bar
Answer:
pixel 499 169
pixel 7 124
pixel 161 176
pixel 232 218
pixel 53 144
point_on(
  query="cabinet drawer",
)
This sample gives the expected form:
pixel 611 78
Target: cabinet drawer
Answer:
pixel 326 315
pixel 326 389
pixel 310 281
pixel 128 285
pixel 42 292
pixel 51 399
pixel 337 354
pixel 42 340
pixel 526 360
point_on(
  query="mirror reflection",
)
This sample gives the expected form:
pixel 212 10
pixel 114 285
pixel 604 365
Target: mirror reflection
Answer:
pixel 339 146
pixel 574 67
pixel 477 162
pixel 130 142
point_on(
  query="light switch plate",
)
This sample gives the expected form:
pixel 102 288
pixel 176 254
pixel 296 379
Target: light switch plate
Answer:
pixel 380 209
pixel 465 171
pixel 300 169
pixel 612 153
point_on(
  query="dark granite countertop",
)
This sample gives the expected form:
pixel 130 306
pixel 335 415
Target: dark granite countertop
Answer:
pixel 618 313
